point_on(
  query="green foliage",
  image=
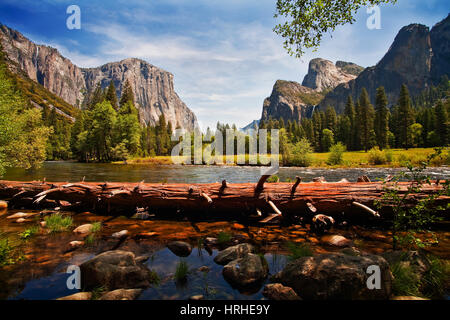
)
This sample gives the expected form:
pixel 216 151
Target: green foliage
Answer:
pixel 377 157
pixel 435 279
pixel 305 21
pixel 224 237
pixel 405 281
pixel 327 140
pixel 182 270
pixel 154 278
pixel 98 292
pixel 301 154
pixel 23 137
pixel 5 252
pixel 273 179
pixel 28 233
pixel 58 223
pixel 297 251
pixel 336 154
pixel 418 217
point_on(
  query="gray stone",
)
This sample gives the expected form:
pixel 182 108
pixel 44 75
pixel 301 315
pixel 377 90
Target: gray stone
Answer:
pixel 233 253
pixel 246 271
pixel 180 248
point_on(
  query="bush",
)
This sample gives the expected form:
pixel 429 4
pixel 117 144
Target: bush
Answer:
pixel 273 179
pixel 336 155
pixel 389 155
pixel 301 154
pixel 376 156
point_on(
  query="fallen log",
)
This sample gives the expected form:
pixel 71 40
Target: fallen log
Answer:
pixel 217 199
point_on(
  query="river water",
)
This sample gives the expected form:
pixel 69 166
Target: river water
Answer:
pixel 73 172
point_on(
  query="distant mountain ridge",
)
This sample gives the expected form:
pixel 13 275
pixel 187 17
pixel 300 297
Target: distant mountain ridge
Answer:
pixel 153 87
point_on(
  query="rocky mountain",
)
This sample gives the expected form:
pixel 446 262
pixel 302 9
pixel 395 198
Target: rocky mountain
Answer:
pixel 418 58
pixel 291 101
pixel 251 126
pixel 324 75
pixel 152 86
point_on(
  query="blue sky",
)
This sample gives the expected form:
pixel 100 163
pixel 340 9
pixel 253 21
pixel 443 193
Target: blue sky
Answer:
pixel 223 54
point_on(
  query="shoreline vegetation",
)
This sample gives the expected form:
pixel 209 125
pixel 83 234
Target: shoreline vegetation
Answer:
pixel 397 158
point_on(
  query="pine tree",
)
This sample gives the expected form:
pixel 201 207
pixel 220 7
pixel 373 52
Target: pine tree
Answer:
pixel 350 113
pixel 366 119
pixel 96 97
pixel 127 94
pixel 405 117
pixel 381 118
pixel 111 95
pixel 331 119
pixel 442 123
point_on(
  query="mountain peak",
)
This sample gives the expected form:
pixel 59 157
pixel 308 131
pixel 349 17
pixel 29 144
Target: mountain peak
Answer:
pixel 324 75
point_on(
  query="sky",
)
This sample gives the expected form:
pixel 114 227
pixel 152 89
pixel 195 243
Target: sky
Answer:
pixel 224 55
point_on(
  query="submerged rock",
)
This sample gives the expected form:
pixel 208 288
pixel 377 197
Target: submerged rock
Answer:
pixel 246 271
pixel 78 296
pixel 233 253
pixel 19 215
pixel 114 270
pixel 336 241
pixel 277 291
pixel 122 294
pixel 336 277
pixel 180 248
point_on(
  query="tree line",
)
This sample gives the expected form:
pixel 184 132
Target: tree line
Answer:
pixel 422 122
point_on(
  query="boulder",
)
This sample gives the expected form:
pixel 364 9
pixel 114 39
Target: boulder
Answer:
pixel 336 277
pixel 83 229
pixel 120 235
pixel 180 248
pixel 78 296
pixel 277 291
pixel 114 270
pixel 336 241
pixel 233 253
pixel 249 270
pixel 3 205
pixel 122 294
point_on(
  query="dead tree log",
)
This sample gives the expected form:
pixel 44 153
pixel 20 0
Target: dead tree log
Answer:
pixel 221 199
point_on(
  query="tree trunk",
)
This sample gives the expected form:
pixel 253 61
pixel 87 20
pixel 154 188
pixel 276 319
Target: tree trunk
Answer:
pixel 218 199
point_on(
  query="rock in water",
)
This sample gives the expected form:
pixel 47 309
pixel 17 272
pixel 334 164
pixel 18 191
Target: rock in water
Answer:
pixel 78 296
pixel 180 248
pixel 122 294
pixel 246 271
pixel 233 253
pixel 18 215
pixel 83 229
pixel 120 235
pixel 336 241
pixel 114 270
pixel 336 277
pixel 3 205
pixel 278 292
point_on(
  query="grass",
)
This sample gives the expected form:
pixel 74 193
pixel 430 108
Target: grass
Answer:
pixel 436 278
pixel 350 159
pixel 297 251
pixel 97 292
pixel 6 251
pixel 406 282
pixel 154 278
pixel 90 239
pixel 224 237
pixel 58 223
pixel 28 233
pixel 96 227
pixel 181 271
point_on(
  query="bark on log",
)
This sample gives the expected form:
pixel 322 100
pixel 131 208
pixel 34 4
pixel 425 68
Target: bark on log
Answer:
pixel 218 199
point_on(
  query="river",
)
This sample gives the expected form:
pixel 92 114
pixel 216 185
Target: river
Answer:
pixel 61 171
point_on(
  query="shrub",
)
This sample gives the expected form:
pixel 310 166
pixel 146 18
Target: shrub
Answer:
pixel 389 155
pixel 376 156
pixel 301 154
pixel 58 223
pixel 336 155
pixel 273 179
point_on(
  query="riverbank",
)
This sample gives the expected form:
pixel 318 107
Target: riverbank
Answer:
pixel 353 159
